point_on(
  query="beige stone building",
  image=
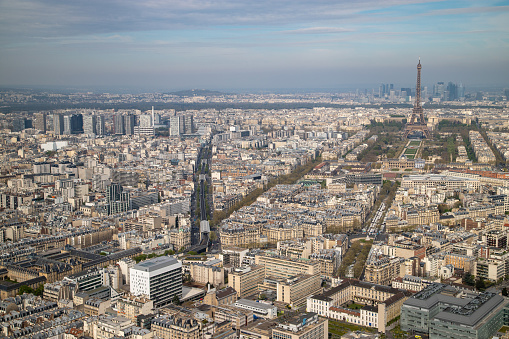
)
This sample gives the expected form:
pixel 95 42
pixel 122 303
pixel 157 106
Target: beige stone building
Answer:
pixel 284 267
pixel 293 291
pixel 180 238
pixel 203 274
pixel 131 306
pixel 245 280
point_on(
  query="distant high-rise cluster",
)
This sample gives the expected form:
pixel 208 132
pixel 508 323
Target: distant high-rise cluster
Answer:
pixel 93 125
pixel 450 92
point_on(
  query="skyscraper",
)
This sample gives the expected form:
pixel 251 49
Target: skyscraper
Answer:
pixel 67 124
pixel 58 124
pixel 452 90
pixel 189 124
pixel 145 121
pixel 146 126
pixel 118 124
pixel 76 123
pixel 40 121
pixel 90 125
pixel 129 122
pixel 176 125
pixel 100 128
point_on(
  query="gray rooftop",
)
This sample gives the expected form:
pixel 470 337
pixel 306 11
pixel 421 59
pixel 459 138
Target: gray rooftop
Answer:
pixel 155 263
pixel 253 303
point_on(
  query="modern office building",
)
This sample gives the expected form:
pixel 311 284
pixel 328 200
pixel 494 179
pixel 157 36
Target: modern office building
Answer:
pixel 146 125
pixel 245 280
pixel 118 124
pixel 160 279
pixel 76 124
pixel 441 311
pixel 118 200
pixel 189 124
pixel 176 126
pixel 40 122
pixel 129 122
pixel 284 267
pixel 58 124
pixel 100 128
pixel 90 125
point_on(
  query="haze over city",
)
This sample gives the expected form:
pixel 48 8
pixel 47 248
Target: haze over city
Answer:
pixel 170 45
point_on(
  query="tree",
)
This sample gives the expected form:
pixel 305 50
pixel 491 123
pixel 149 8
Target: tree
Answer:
pixel 39 290
pixel 213 236
pixel 25 289
pixel 176 300
pixel 504 292
pixel 468 279
pixel 480 284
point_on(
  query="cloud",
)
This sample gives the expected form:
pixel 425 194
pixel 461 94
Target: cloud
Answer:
pixel 468 10
pixel 318 30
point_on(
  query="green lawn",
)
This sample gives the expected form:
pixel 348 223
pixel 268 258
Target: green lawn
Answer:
pixel 414 143
pixel 411 151
pixel 410 156
pixel 355 306
pixel 341 328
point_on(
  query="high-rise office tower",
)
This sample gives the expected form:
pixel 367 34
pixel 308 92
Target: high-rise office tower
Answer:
pixel 58 124
pixel 67 124
pixel 461 91
pixel 90 125
pixel 452 89
pixel 145 121
pixel 160 279
pixel 439 90
pixel 189 124
pixel 129 122
pixel 146 126
pixel 100 128
pixel 118 124
pixel 40 122
pixel 176 125
pixel 76 123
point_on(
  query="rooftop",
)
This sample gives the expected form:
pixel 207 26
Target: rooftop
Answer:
pixel 155 263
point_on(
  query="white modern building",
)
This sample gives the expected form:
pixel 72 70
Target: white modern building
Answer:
pixel 260 309
pixel 160 279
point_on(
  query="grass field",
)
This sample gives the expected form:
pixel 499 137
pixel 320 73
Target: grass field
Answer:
pixel 355 306
pixel 414 143
pixel 340 328
pixel 411 151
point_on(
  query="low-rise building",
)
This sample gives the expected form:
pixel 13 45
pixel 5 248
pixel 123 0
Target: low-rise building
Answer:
pixel 260 309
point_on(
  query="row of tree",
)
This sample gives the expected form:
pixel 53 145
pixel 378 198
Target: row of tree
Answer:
pixel 286 179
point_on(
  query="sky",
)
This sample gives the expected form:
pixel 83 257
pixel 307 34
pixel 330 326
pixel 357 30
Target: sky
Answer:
pixel 163 45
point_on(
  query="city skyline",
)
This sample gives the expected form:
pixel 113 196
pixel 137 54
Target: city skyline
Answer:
pixel 161 45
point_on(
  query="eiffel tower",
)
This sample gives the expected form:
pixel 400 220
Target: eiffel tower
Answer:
pixel 417 123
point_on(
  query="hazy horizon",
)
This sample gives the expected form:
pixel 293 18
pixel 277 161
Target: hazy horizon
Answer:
pixel 226 45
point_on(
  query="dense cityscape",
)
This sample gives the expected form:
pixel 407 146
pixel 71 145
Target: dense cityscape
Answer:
pixel 368 214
